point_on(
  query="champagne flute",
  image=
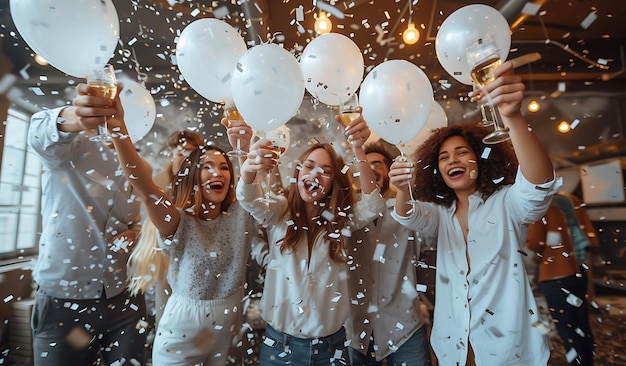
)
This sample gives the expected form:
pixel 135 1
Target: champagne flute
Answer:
pixel 101 79
pixel 277 147
pixel 347 114
pixel 484 122
pixel 483 58
pixel 232 114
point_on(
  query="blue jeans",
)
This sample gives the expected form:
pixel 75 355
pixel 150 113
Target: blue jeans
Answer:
pixel 414 352
pixel 280 349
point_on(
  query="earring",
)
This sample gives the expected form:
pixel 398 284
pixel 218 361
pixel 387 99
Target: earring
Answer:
pixel 473 174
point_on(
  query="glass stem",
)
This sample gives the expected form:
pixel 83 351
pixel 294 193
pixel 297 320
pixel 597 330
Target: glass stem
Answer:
pixel 409 183
pixel 269 182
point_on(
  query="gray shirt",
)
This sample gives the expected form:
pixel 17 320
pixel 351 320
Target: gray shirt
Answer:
pixel 208 258
pixel 86 201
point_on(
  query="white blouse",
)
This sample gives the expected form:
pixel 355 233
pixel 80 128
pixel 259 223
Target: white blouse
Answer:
pixel 489 303
pixel 305 299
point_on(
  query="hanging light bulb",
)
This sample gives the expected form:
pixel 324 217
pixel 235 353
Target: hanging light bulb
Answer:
pixel 564 127
pixel 323 25
pixel 534 106
pixel 410 35
pixel 40 60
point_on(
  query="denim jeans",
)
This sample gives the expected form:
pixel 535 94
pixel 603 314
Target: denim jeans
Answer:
pixel 414 352
pixel 280 349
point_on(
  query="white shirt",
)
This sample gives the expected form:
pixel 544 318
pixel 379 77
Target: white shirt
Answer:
pixel 385 300
pixel 86 201
pixel 492 304
pixel 305 299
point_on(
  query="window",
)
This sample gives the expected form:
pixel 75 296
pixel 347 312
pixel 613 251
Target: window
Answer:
pixel 20 190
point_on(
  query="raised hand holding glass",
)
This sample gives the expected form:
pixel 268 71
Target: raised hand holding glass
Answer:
pixel 347 114
pixel 483 58
pixel 101 78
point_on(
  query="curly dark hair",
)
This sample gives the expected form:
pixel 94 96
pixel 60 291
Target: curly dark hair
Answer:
pixel 495 171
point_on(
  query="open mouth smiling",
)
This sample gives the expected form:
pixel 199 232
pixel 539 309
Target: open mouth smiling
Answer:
pixel 456 172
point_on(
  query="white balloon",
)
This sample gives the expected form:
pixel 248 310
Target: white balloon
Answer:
pixel 69 34
pixel 332 66
pixel 206 53
pixel 139 109
pixel 267 86
pixel 465 27
pixel 437 119
pixel 397 99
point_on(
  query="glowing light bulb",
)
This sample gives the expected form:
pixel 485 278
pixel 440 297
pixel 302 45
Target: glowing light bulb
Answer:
pixel 564 127
pixel 40 60
pixel 534 106
pixel 323 25
pixel 411 35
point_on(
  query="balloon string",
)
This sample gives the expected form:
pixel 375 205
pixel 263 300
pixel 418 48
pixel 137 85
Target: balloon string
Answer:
pixel 412 201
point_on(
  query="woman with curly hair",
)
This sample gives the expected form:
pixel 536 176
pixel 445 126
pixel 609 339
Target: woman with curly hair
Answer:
pixel 305 299
pixel 477 200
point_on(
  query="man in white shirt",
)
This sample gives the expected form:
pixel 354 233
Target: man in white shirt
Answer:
pixel 89 225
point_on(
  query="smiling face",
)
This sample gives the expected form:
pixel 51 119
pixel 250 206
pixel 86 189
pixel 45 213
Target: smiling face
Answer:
pixel 314 176
pixel 380 167
pixel 457 164
pixel 214 177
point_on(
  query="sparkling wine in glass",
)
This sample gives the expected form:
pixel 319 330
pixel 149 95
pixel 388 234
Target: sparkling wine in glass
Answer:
pixel 101 79
pixel 483 58
pixel 277 147
pixel 232 114
pixel 347 114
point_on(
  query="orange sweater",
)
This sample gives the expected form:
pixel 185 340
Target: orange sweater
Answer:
pixel 550 239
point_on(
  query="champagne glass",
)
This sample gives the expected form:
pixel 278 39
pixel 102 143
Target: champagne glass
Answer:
pixel 101 79
pixel 483 58
pixel 232 114
pixel 484 122
pixel 347 114
pixel 278 146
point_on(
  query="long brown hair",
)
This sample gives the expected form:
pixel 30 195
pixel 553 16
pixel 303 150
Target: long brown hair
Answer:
pixel 186 191
pixel 339 199
pixel 495 171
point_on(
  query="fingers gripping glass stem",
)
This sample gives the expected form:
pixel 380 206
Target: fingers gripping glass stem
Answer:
pixel 412 200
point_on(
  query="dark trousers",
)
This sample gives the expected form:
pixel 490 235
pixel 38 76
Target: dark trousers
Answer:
pixel 571 318
pixel 73 332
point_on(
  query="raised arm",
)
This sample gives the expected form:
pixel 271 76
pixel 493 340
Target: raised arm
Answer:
pixel 507 92
pixel 138 172
pixel 260 157
pixel 401 172
pixel 358 132
pixel 238 130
